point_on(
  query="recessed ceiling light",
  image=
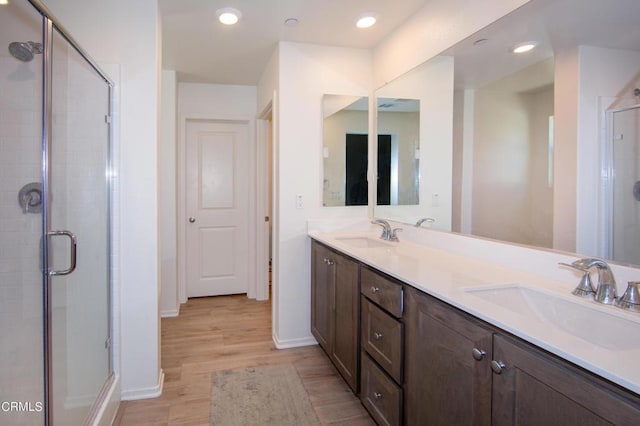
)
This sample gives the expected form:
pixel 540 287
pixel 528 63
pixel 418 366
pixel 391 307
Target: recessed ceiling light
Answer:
pixel 366 20
pixel 291 22
pixel 228 15
pixel 524 47
pixel 480 41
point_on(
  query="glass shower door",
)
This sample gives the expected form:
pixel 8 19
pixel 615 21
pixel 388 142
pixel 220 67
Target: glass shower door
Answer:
pixel 22 382
pixel 79 204
pixel 626 186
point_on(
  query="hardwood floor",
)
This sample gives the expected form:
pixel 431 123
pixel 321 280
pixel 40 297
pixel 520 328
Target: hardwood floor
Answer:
pixel 229 332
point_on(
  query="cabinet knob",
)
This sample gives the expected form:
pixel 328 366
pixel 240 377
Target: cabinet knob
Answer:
pixel 377 335
pixel 374 290
pixel 330 262
pixel 377 395
pixel 478 354
pixel 192 219
pixel 498 366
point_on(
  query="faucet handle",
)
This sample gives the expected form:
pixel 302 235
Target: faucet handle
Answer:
pixel 630 300
pixel 585 286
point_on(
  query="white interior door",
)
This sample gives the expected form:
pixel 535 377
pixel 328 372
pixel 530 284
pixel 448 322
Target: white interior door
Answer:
pixel 217 198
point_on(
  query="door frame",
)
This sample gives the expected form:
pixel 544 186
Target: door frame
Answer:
pixel 181 196
pixel 605 245
pixel 264 132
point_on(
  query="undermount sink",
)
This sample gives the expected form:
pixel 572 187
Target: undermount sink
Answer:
pixel 362 242
pixel 577 318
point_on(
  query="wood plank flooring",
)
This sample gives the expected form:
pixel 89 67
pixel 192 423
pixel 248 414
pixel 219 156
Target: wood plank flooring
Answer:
pixel 229 332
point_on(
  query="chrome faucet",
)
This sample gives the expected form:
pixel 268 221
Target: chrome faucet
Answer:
pixel 605 291
pixel 388 234
pixel 429 220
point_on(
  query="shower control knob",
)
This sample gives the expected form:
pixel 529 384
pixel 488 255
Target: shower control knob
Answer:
pixel 192 219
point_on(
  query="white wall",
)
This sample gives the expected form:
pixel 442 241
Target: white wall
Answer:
pixel 108 30
pixel 433 29
pixel 216 100
pixel 306 73
pixel 167 215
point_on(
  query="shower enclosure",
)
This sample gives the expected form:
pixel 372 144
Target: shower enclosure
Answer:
pixel 55 103
pixel 623 191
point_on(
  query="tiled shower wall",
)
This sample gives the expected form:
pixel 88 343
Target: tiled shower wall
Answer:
pixel 21 313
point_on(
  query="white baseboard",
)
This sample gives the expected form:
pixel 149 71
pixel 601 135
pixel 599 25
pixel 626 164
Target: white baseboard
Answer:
pixel 293 343
pixel 170 313
pixel 109 409
pixel 144 393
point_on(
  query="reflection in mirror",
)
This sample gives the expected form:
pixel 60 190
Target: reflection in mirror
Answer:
pixel 509 126
pixel 398 180
pixel 423 161
pixel 534 140
pixel 345 150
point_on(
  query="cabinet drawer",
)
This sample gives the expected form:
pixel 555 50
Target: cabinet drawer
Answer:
pixel 379 394
pixel 382 338
pixel 382 291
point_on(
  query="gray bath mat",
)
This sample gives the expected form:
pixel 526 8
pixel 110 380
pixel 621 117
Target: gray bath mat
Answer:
pixel 267 395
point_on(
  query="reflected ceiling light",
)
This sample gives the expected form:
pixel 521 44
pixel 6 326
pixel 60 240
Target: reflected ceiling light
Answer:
pixel 524 47
pixel 228 15
pixel 3 2
pixel 366 20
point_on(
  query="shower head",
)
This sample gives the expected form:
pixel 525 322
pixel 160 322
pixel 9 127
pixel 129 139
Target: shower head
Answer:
pixel 24 51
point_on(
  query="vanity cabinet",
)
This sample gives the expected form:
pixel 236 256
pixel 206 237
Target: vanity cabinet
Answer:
pixel 460 370
pixel 425 362
pixel 335 310
pixel 447 364
pixel 536 388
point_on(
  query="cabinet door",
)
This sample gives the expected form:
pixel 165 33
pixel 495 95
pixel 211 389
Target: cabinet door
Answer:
pixel 445 383
pixel 345 351
pixel 322 283
pixel 535 388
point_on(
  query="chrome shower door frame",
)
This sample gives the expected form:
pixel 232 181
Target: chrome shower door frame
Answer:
pixel 49 24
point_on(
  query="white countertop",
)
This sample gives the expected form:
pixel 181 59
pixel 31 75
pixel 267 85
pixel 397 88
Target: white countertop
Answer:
pixel 448 277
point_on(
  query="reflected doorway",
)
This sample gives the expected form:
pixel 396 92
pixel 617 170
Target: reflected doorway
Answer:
pixel 357 161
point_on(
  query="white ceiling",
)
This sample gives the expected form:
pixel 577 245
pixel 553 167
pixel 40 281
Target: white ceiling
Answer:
pixel 202 50
pixel 557 25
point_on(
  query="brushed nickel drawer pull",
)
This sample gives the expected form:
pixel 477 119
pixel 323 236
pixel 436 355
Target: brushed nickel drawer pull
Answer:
pixel 377 395
pixel 374 290
pixel 377 336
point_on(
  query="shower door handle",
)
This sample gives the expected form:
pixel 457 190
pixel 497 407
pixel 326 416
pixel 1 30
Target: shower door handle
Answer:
pixel 72 254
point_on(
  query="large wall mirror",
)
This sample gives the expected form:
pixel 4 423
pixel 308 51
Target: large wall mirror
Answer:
pixel 536 148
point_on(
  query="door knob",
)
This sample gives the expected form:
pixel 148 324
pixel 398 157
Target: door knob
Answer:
pixel 192 219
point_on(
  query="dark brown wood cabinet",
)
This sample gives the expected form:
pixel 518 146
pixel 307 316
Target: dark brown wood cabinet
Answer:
pixel 425 362
pixel 335 310
pixel 447 364
pixel 533 387
pixel 460 370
